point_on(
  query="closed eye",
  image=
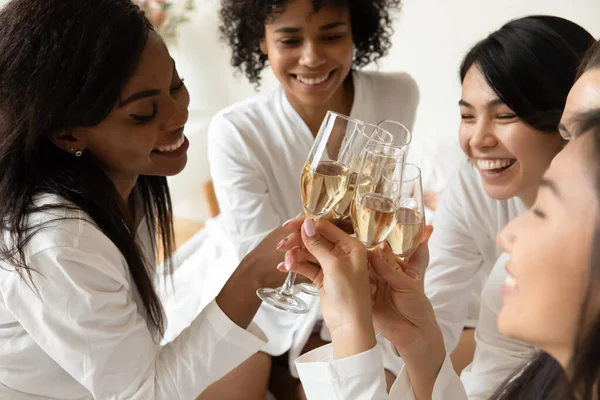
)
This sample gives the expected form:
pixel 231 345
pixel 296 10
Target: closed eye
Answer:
pixel 179 86
pixel 332 38
pixel 144 119
pixel 507 116
pixel 538 213
pixel 290 42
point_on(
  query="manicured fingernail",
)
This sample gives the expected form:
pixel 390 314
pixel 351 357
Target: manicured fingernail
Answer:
pixel 286 223
pixel 281 266
pixel 310 228
pixel 287 263
pixel 280 244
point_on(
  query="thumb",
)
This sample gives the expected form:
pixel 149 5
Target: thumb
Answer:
pixel 391 271
pixel 320 238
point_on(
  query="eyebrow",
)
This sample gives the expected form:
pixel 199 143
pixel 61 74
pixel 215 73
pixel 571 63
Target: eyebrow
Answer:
pixel 143 94
pixel 289 29
pixel 491 103
pixel 544 182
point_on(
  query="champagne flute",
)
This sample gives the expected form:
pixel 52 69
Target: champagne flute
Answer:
pixel 370 135
pixel 401 136
pixel 323 183
pixel 377 195
pixel 408 232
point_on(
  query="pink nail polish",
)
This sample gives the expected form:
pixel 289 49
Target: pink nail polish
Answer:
pixel 281 266
pixel 286 223
pixel 287 263
pixel 280 244
pixel 310 228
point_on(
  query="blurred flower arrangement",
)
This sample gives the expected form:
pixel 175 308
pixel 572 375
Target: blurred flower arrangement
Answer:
pixel 167 15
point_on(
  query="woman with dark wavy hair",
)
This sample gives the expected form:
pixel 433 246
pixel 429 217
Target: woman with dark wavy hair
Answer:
pixel 92 113
pixel 257 148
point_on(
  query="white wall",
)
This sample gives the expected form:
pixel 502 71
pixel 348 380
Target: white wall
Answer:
pixel 431 37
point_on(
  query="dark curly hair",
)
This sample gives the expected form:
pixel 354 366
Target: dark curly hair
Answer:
pixel 243 26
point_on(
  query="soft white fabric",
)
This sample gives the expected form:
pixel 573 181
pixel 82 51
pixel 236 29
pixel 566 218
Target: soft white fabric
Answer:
pixel 361 377
pixel 257 149
pixel 83 333
pixel 496 356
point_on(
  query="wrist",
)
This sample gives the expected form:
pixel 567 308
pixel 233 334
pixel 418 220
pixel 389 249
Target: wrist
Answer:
pixel 427 354
pixel 352 338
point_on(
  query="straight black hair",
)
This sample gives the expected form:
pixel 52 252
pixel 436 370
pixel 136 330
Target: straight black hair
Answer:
pixel 64 64
pixel 531 64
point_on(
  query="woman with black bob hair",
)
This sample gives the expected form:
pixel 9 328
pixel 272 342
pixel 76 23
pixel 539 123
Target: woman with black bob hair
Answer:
pixel 257 148
pixel 92 112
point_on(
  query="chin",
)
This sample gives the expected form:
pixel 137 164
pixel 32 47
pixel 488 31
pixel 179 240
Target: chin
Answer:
pixel 499 193
pixel 508 325
pixel 171 169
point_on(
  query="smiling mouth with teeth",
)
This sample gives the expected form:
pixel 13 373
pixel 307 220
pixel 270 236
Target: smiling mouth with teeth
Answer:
pixel 497 165
pixel 313 81
pixel 510 282
pixel 171 147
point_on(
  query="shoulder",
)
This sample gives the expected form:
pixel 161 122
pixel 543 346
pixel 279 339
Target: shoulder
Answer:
pixel 398 84
pixel 62 239
pixel 245 117
pixel 464 186
pixel 58 224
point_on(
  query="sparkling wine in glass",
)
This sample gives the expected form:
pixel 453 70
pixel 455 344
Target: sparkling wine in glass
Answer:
pixel 377 194
pixel 408 232
pixel 370 135
pixel 323 183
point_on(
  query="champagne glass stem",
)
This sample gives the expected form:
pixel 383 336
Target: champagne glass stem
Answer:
pixel 288 285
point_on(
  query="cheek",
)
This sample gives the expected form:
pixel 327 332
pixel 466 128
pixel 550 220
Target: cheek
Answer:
pixel 534 150
pixel 546 309
pixel 464 135
pixel 279 61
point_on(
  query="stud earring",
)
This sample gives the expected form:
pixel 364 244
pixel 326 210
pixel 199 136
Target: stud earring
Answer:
pixel 77 153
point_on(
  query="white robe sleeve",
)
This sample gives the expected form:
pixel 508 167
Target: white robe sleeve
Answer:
pixel 447 385
pixel 453 275
pixel 83 315
pixel 240 187
pixel 361 377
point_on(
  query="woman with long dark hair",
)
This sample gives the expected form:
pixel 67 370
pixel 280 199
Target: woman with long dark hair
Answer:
pixel 92 112
pixel 550 292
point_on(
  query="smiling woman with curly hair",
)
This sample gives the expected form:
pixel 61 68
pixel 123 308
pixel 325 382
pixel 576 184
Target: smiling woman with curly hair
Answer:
pixel 243 26
pixel 258 147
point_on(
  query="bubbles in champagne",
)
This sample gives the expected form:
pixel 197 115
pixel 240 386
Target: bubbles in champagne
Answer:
pixel 323 187
pixel 407 233
pixel 373 215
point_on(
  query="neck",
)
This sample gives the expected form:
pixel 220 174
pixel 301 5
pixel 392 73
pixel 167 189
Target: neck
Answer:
pixel 124 185
pixel 341 102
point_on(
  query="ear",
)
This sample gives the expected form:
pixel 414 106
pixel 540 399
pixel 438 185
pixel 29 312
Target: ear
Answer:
pixel 68 140
pixel 263 45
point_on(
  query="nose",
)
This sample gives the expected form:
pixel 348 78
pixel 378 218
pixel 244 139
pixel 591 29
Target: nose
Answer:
pixel 507 236
pixel 483 135
pixel 311 56
pixel 177 112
